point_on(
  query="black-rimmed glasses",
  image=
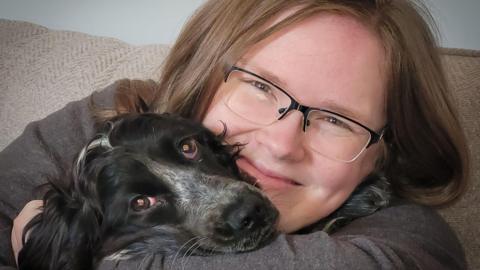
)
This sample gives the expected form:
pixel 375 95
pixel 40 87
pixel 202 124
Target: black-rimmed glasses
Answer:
pixel 328 133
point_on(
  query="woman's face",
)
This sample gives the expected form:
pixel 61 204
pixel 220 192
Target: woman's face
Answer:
pixel 330 62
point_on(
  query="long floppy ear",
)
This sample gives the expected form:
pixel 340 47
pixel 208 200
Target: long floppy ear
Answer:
pixel 98 145
pixel 86 169
pixel 63 236
pixel 67 233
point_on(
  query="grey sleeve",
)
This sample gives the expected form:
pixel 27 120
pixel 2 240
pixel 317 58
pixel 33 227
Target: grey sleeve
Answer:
pixel 401 237
pixel 405 236
pixel 42 150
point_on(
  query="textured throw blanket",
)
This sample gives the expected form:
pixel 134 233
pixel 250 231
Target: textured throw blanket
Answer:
pixel 41 70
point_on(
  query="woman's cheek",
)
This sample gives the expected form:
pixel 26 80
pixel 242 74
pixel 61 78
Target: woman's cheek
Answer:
pixel 330 187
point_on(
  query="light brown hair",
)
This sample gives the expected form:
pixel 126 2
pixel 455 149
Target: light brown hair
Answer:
pixel 427 158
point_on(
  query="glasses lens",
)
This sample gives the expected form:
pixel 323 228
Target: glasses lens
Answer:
pixel 254 99
pixel 260 102
pixel 335 137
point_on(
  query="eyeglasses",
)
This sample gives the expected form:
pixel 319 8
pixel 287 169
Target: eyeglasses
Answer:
pixel 328 133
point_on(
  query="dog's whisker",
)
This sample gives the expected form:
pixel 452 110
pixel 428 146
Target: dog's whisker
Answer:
pixel 181 248
pixel 146 262
pixel 211 250
pixel 190 251
pixel 194 247
pixel 186 254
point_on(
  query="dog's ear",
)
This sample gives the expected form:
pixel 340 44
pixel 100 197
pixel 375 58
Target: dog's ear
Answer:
pixel 63 236
pixel 98 145
pixel 67 232
pixel 84 191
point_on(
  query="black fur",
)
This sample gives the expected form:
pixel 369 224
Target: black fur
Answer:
pixel 91 217
pixel 137 160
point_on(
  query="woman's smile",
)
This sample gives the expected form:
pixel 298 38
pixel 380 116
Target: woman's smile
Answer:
pixel 265 178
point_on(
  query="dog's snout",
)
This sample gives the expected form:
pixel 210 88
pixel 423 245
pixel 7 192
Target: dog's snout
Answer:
pixel 246 217
pixel 250 212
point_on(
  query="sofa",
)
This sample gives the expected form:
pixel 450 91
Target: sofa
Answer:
pixel 41 70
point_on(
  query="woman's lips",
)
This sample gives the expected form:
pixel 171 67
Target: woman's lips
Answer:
pixel 264 179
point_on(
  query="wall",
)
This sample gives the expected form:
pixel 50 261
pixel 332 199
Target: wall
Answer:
pixel 459 22
pixel 137 22
pixel 159 21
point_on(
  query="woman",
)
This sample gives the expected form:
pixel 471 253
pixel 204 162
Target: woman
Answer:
pixel 322 94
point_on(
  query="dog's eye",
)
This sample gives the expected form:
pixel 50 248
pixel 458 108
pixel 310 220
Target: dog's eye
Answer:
pixel 142 202
pixel 189 148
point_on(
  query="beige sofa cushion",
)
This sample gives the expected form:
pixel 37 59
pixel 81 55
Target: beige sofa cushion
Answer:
pixel 463 70
pixel 42 70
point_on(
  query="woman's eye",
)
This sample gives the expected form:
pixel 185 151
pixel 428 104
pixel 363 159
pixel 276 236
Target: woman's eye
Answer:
pixel 260 85
pixel 329 123
pixel 337 122
pixel 333 120
pixel 189 149
pixel 142 202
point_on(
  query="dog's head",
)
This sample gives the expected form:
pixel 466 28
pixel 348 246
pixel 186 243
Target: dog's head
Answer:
pixel 160 183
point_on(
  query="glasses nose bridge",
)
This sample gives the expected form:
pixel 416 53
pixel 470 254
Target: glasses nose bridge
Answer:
pixel 296 106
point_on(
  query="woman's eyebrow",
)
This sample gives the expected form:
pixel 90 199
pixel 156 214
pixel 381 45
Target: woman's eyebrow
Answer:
pixel 272 78
pixel 264 73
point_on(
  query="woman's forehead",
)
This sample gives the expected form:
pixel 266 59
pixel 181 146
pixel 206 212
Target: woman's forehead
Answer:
pixel 325 60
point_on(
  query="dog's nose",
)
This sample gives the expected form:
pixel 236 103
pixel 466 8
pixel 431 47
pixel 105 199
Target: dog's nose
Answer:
pixel 249 213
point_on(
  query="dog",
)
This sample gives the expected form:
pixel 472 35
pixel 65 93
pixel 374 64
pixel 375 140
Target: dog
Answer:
pixel 148 183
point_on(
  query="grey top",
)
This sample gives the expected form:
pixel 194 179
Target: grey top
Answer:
pixel 403 236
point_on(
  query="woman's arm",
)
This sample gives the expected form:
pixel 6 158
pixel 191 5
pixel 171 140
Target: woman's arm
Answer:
pixel 43 150
pixel 405 236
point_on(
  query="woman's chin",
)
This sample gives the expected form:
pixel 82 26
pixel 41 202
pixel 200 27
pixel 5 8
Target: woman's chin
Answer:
pixel 298 207
pixel 287 196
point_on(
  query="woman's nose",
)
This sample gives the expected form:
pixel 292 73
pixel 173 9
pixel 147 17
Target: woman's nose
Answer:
pixel 284 138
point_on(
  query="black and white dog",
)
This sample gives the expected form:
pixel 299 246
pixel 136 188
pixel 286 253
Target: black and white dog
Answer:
pixel 146 184
pixel 150 184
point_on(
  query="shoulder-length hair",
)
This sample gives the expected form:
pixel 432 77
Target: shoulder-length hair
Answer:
pixel 426 157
